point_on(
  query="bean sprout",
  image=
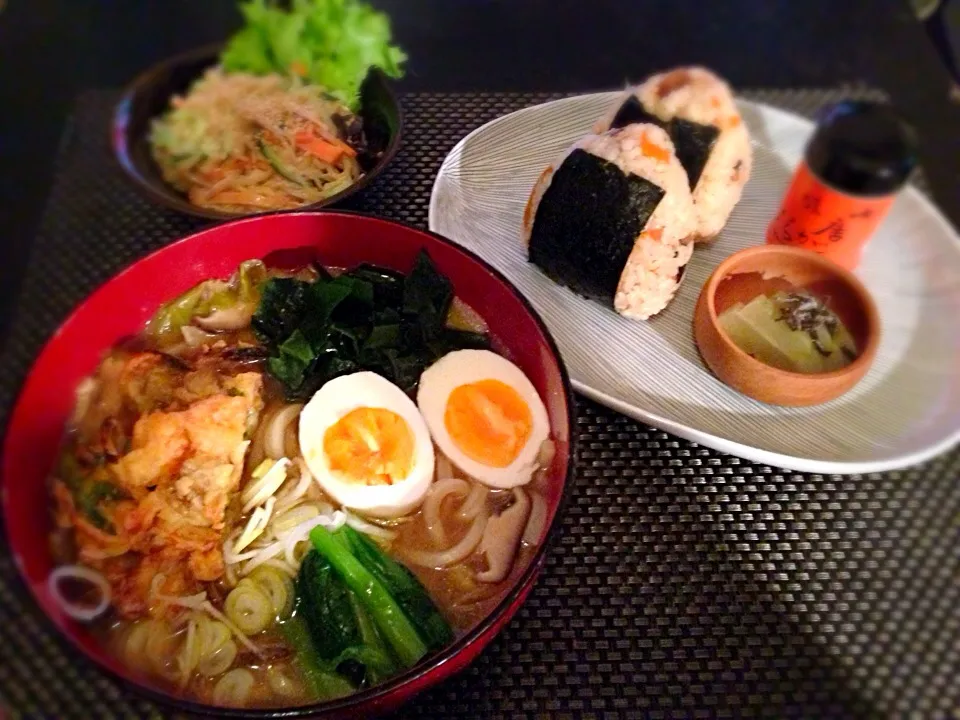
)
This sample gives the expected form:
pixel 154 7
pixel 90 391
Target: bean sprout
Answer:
pixel 299 532
pixel 282 522
pixel 289 498
pixel 266 486
pixel 256 524
pixel 229 556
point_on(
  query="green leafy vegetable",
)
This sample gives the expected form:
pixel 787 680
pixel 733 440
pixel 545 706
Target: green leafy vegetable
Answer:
pixel 282 304
pixel 325 602
pixel 370 660
pixel 326 683
pixel 366 319
pixel 392 623
pixel 332 43
pixel 295 357
pixel 361 614
pixel 410 595
pixel 208 297
pixel 427 294
pixel 343 635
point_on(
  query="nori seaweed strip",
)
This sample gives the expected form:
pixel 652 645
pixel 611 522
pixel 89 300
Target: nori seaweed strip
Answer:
pixel 632 112
pixel 693 143
pixel 587 222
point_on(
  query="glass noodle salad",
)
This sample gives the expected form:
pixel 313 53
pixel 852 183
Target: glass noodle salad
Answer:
pixel 275 124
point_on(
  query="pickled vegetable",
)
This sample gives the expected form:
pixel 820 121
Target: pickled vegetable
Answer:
pixel 791 331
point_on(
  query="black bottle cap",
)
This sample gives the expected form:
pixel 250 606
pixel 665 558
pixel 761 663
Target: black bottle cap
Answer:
pixel 862 148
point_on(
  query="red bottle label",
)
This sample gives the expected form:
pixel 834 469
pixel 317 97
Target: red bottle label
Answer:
pixel 832 223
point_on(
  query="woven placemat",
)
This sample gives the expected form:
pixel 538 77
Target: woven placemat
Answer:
pixel 685 583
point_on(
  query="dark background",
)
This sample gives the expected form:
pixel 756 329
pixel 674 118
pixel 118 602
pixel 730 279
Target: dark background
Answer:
pixel 51 49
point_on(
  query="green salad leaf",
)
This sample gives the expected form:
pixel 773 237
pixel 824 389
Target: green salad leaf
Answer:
pixel 332 43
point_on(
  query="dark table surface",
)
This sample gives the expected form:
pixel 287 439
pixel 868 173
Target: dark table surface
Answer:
pixel 52 49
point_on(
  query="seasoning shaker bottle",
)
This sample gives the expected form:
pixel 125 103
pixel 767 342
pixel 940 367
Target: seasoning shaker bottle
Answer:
pixel 860 156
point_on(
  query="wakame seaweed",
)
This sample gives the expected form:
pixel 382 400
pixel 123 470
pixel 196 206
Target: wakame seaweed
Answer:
pixel 369 318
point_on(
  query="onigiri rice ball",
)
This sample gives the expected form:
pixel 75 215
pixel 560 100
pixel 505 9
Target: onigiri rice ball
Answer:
pixel 698 110
pixel 613 220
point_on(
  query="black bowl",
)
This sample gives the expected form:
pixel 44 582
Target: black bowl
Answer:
pixel 149 96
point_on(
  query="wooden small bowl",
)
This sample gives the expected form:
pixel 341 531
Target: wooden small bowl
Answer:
pixel 754 271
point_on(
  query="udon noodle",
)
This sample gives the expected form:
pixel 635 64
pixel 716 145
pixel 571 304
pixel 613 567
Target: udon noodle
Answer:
pixel 187 513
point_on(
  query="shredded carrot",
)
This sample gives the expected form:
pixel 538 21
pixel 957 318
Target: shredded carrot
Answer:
pixel 298 68
pixel 733 121
pixel 327 150
pixel 714 101
pixel 651 150
pixel 306 137
pixel 654 233
pixel 214 174
pixel 347 150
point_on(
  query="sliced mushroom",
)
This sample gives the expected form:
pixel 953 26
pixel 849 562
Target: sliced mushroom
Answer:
pixel 235 317
pixel 501 538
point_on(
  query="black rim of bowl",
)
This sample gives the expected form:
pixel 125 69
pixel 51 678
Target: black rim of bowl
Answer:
pixel 158 191
pixel 431 662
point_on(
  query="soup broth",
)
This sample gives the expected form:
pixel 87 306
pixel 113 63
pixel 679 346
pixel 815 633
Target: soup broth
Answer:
pixel 195 483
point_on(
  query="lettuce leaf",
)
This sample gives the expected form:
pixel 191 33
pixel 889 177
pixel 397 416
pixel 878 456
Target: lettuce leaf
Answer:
pixel 331 43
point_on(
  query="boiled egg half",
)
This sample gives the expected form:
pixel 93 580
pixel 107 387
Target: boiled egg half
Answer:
pixel 485 415
pixel 367 445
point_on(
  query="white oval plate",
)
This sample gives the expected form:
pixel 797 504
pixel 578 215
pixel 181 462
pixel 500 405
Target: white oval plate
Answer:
pixel 905 410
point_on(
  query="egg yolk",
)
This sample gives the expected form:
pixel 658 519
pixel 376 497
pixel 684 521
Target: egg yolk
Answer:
pixel 371 446
pixel 488 421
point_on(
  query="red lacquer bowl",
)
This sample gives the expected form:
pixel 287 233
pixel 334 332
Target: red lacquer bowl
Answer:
pixel 123 305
